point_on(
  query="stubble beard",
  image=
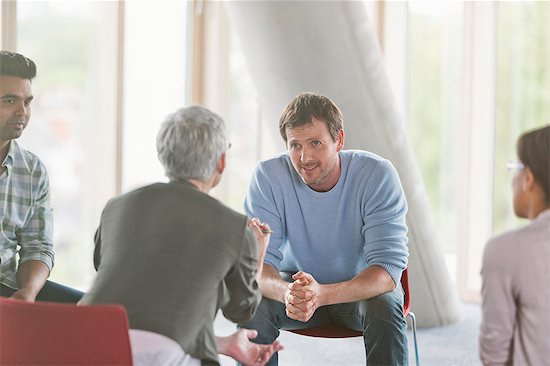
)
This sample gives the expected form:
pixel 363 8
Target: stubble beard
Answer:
pixel 323 175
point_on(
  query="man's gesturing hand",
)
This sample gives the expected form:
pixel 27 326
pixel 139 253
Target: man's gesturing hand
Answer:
pixel 239 346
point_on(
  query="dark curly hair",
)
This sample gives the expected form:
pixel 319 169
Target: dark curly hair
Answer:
pixel 15 64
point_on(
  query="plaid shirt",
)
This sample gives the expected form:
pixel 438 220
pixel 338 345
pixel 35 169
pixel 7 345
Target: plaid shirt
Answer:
pixel 26 218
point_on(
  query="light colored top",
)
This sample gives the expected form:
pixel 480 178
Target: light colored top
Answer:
pixel 150 348
pixel 515 325
pixel 26 217
pixel 332 235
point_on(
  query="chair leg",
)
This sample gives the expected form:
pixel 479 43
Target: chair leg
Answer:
pixel 413 323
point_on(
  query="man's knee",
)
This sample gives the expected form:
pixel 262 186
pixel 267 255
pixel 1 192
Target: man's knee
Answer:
pixel 5 291
pixel 266 321
pixel 55 292
pixel 266 312
pixel 386 309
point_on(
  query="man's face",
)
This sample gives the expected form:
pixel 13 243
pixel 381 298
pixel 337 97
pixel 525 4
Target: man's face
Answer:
pixel 314 154
pixel 15 106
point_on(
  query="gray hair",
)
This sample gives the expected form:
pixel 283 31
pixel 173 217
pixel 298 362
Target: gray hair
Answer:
pixel 190 143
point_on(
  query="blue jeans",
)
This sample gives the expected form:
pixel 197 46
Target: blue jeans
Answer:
pixel 380 319
pixel 51 291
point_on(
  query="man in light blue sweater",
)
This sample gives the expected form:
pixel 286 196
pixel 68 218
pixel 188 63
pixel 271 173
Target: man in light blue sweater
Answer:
pixel 339 242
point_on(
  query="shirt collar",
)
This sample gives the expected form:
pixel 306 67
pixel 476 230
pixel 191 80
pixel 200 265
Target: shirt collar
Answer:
pixel 10 157
pixel 544 215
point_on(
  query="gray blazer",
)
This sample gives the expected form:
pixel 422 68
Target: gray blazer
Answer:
pixel 173 256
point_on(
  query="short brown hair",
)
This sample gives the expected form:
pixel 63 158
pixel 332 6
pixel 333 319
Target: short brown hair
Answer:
pixel 534 152
pixel 304 107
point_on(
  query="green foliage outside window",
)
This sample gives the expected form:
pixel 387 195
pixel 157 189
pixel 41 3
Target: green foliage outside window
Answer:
pixel 523 92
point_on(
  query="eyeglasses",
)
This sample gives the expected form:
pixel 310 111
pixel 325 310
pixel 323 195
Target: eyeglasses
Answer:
pixel 515 165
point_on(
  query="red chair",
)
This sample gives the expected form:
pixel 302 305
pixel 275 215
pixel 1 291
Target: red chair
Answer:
pixel 44 333
pixel 339 331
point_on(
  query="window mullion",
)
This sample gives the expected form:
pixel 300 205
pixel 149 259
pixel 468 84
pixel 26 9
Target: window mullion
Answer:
pixel 476 137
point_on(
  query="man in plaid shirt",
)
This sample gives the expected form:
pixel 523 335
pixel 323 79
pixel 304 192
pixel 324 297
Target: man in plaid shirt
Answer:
pixel 25 212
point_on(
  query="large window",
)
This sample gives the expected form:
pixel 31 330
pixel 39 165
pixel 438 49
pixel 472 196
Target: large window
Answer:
pixel 154 83
pixel 522 92
pixel 477 77
pixel 72 127
pixel 108 74
pixel 433 118
pixel 232 93
pixel 469 76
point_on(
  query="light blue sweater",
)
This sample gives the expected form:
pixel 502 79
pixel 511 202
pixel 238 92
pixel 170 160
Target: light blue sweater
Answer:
pixel 333 235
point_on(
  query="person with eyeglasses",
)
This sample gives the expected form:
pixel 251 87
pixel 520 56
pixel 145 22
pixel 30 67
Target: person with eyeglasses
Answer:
pixel 173 255
pixel 516 266
pixel 26 217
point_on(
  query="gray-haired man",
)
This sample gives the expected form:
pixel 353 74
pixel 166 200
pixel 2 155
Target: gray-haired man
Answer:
pixel 173 255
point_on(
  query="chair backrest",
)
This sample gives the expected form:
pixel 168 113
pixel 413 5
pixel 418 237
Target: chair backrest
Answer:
pixel 43 333
pixel 406 292
pixel 338 331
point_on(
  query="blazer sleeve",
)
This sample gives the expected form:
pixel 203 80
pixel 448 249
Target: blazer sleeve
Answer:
pixel 242 291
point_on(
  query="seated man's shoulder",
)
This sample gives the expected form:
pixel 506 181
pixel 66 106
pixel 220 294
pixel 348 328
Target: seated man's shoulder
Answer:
pixel 27 159
pixel 361 159
pixel 277 169
pixel 278 161
pixel 175 198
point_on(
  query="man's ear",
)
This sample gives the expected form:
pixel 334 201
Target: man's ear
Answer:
pixel 220 165
pixel 340 140
pixel 528 184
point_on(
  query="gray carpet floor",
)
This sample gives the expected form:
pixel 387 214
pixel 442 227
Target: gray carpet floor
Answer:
pixel 455 345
